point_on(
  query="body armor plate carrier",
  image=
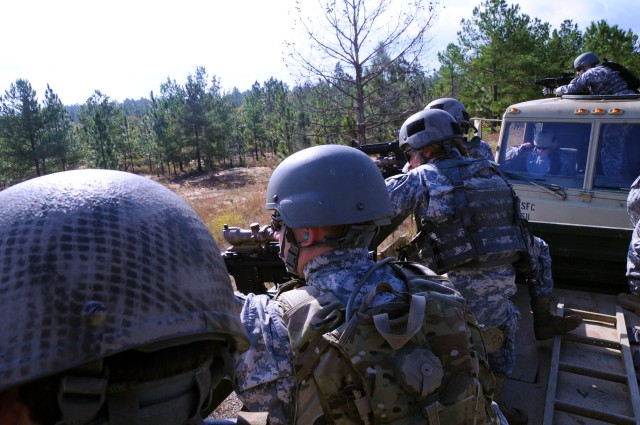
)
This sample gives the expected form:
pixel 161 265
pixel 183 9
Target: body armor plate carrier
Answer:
pixel 419 360
pixel 487 228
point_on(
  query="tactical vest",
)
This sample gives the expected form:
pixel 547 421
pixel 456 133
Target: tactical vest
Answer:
pixel 419 360
pixel 486 228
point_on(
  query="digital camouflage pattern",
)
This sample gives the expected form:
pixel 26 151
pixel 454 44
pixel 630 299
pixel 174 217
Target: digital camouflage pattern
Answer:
pixel 633 202
pixel 419 366
pixel 428 193
pixel 597 80
pixel 540 281
pixel 478 148
pixel 633 256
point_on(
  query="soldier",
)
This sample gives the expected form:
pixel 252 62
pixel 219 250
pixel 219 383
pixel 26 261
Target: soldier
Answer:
pixel 631 301
pixel 593 78
pixel 476 147
pixel 324 349
pixel 116 305
pixel 542 157
pixel 463 207
pixel 540 288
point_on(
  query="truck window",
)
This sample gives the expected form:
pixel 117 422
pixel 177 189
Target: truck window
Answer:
pixel 550 153
pixel 618 156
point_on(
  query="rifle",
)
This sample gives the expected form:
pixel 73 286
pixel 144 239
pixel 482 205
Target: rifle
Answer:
pixel 552 83
pixel 390 158
pixel 252 259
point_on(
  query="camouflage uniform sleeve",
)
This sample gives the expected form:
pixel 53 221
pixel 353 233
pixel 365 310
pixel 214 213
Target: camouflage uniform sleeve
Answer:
pixel 578 85
pixel 265 379
pixel 406 192
pixel 543 282
pixel 633 261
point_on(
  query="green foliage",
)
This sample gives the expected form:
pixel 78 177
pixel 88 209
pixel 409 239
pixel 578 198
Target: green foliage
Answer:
pixel 363 92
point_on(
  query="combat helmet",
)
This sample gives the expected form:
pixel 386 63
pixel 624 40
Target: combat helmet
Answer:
pixel 428 127
pixel 99 262
pixel 328 185
pixel 455 108
pixel 585 59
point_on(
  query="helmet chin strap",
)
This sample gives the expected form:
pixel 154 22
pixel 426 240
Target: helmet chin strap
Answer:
pixel 291 259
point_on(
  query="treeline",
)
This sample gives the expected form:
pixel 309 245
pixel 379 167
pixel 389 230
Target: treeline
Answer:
pixel 195 126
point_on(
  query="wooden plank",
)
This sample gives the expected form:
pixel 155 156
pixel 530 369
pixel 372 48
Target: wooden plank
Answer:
pixel 580 410
pixel 628 364
pixel 594 373
pixel 550 404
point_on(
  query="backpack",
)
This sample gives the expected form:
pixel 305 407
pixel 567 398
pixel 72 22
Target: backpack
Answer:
pixel 417 360
pixel 632 81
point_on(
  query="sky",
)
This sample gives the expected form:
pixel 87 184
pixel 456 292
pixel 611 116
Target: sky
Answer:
pixel 128 48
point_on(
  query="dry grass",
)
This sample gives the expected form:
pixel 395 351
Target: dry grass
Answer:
pixel 234 196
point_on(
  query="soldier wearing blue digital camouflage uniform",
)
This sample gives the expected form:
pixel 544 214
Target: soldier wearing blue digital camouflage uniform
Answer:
pixel 631 301
pixel 476 147
pixel 328 203
pixel 593 78
pixel 450 219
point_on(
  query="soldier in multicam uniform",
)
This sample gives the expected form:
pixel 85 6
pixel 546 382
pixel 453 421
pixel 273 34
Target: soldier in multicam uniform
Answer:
pixel 476 147
pixel 116 305
pixel 433 142
pixel 631 301
pixel 593 78
pixel 328 203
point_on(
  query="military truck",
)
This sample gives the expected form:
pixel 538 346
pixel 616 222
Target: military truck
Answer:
pixel 574 185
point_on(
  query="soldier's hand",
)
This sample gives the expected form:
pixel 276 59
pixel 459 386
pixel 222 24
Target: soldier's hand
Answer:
pixel 547 91
pixel 559 91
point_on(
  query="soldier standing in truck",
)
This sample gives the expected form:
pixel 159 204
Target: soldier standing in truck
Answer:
pixel 593 78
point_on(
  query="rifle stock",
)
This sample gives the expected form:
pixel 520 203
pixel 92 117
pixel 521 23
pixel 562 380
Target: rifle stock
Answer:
pixel 252 259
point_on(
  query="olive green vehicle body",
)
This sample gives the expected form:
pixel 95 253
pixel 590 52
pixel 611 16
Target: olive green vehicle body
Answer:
pixel 582 214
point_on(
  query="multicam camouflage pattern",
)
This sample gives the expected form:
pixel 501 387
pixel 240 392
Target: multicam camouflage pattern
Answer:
pixel 596 80
pixel 265 378
pixel 633 256
pixel 428 193
pixel 93 266
pixel 478 148
pixel 376 370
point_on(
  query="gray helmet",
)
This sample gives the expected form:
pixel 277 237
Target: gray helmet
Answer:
pixel 328 185
pixel 585 59
pixel 455 108
pixel 99 262
pixel 427 127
